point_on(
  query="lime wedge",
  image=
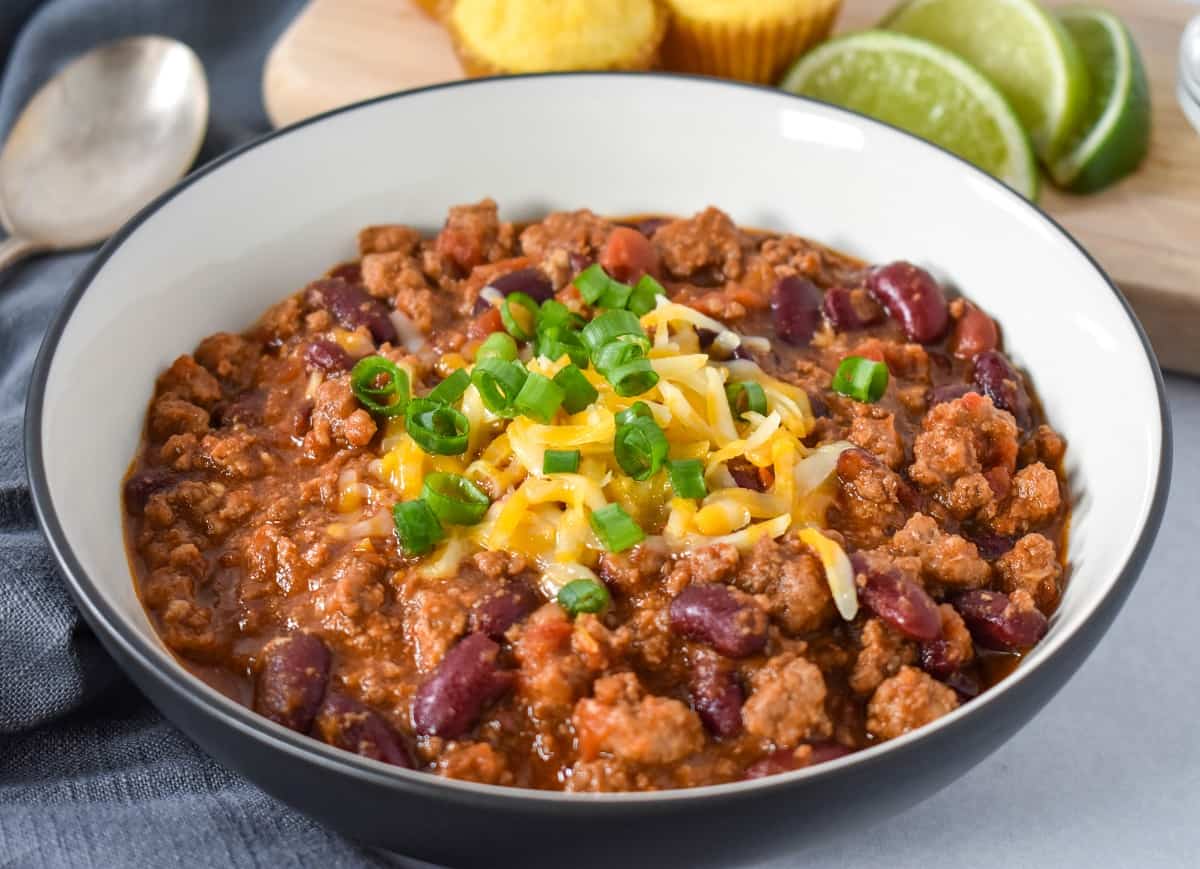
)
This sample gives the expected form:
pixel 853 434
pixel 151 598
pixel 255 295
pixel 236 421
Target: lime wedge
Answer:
pixel 926 90
pixel 1021 48
pixel 1114 133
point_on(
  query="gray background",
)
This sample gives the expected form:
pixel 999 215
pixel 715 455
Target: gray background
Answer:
pixel 92 776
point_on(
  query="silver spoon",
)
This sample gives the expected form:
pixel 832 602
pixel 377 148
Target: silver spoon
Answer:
pixel 111 131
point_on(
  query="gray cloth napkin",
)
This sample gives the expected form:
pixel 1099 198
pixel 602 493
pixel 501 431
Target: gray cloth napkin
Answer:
pixel 90 774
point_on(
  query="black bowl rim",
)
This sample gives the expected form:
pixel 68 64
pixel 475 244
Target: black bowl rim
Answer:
pixel 207 701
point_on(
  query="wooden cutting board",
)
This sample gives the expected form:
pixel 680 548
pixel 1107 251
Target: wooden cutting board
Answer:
pixel 1145 231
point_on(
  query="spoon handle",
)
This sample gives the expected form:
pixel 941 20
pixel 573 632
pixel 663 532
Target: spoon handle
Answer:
pixel 13 250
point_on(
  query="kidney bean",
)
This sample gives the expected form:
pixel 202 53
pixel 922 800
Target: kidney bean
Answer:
pixel 327 355
pixel 497 612
pixel 717 695
pixel 898 601
pixel 948 392
pixel 780 760
pixel 991 546
pixel 996 623
pixel 849 310
pixel 143 484
pixel 350 272
pixel 1000 382
pixel 735 627
pixel 746 474
pixel 974 333
pixel 796 307
pixel 817 405
pixel 532 282
pixel 628 254
pixel 345 723
pixel 293 671
pixel 579 261
pixel 352 307
pixel 937 658
pixel 965 684
pixel 913 298
pixel 648 226
pixel 784 760
pixel 468 678
pixel 707 278
pixel 247 408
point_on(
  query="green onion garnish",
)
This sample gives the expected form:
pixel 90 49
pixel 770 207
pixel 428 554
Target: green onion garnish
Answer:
pixel 498 345
pixel 417 527
pixel 437 428
pixel 746 396
pixel 555 313
pixel 635 410
pixel 518 313
pixel 498 382
pixel 642 301
pixel 583 596
pixel 578 391
pixel 687 478
pixel 612 325
pixel 592 282
pixel 560 462
pixel 540 397
pixel 557 341
pixel 640 448
pixel 454 499
pixel 380 385
pixel 615 528
pixel 615 295
pixel 862 379
pixel 632 379
pixel 452 388
pixel 616 353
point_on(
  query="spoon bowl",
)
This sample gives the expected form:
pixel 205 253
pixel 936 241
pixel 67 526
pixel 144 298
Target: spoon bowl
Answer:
pixel 115 128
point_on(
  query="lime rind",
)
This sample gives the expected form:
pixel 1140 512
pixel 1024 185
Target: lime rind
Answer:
pixel 1050 111
pixel 1115 143
pixel 1019 170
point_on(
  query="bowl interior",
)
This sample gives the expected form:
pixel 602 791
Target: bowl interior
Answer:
pixel 257 227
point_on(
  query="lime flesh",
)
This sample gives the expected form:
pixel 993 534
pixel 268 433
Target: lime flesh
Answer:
pixel 919 87
pixel 1114 134
pixel 1019 47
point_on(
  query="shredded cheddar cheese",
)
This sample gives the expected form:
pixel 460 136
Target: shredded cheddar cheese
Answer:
pixel 546 517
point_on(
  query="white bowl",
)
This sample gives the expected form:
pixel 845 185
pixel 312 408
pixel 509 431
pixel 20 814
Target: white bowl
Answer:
pixel 258 224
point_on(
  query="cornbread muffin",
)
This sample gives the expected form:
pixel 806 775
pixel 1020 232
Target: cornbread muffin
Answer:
pixel 493 37
pixel 752 40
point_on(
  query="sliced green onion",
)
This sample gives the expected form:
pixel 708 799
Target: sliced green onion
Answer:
pixel 554 313
pixel 452 388
pixel 612 325
pixel 637 409
pixel 632 379
pixel 417 527
pixel 540 397
pixel 645 291
pixel 640 448
pixel 687 478
pixel 583 596
pixel 746 396
pixel 592 282
pixel 437 428
pixel 560 462
pixel 388 398
pixel 615 295
pixel 498 345
pixel 578 391
pixel 615 528
pixel 499 381
pixel 862 379
pixel 454 499
pixel 616 353
pixel 557 341
pixel 518 313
